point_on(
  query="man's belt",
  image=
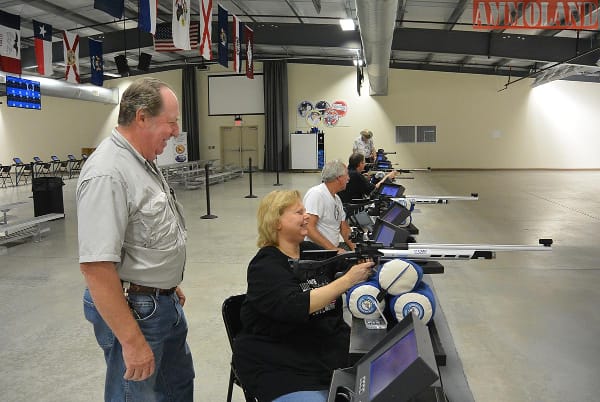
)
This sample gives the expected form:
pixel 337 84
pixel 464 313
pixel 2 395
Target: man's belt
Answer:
pixel 140 289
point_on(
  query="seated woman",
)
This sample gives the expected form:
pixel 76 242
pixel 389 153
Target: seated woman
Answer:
pixel 358 186
pixel 293 334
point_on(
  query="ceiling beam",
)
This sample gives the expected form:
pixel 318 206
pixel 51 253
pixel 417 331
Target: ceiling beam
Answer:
pixel 503 45
pixel 456 14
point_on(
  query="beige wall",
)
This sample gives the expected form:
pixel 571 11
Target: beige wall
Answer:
pixel 552 126
pixel 210 125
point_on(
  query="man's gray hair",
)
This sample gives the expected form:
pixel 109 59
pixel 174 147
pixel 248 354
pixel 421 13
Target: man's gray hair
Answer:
pixel 144 93
pixel 332 170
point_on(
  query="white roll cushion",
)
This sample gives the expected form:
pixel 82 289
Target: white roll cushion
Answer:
pixel 408 275
pixel 421 301
pixel 361 300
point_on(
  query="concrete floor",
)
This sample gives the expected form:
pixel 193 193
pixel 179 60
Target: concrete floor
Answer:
pixel 526 325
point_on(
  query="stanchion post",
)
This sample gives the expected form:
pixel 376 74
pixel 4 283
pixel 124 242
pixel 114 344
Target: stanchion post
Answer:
pixel 250 178
pixel 207 185
pixel 277 162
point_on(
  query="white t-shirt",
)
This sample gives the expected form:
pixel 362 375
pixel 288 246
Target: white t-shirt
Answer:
pixel 330 210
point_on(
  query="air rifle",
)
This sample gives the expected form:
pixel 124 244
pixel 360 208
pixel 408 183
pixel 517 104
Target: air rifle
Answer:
pixel 435 199
pixel 368 250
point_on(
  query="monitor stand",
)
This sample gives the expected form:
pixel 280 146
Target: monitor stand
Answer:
pixel 342 385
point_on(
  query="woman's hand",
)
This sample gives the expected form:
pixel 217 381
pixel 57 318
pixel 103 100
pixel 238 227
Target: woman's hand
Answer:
pixel 359 272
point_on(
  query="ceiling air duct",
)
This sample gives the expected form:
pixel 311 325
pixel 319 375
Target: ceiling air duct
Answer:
pixel 63 89
pixel 376 21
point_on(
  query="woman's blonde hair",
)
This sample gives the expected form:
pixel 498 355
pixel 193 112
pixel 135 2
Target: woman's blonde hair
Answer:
pixel 269 212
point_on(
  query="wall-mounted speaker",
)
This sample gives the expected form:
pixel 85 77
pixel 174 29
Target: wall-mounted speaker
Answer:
pixel 122 66
pixel 144 61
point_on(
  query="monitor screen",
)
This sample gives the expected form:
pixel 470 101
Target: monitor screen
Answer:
pixel 385 235
pixel 36 159
pixel 388 234
pixel 23 93
pixel 391 190
pixel 391 363
pixel 399 367
pixel 396 214
pixel 55 158
pixel 18 161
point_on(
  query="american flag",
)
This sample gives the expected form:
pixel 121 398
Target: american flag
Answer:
pixel 163 39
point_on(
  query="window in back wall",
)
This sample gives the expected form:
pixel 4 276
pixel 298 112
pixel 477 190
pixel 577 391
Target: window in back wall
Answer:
pixel 426 133
pixel 415 134
pixel 405 134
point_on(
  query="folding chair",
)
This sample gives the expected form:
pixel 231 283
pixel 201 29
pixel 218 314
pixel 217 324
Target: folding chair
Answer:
pixel 75 165
pixel 41 168
pixel 5 174
pixel 233 325
pixel 21 170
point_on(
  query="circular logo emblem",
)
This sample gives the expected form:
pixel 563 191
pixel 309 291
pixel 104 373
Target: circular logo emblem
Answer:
pixel 330 118
pixel 304 107
pixel 412 306
pixel 340 107
pixel 313 118
pixel 322 105
pixel 366 304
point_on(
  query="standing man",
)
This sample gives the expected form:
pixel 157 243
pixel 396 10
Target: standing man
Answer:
pixel 132 252
pixel 326 216
pixel 364 145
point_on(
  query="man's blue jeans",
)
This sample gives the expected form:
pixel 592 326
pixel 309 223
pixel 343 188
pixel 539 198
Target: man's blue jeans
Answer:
pixel 163 323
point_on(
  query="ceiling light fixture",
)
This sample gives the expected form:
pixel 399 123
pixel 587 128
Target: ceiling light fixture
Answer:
pixel 347 24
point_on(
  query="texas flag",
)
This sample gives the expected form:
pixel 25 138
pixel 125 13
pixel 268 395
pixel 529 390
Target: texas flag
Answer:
pixel 147 19
pixel 42 34
pixel 71 52
pixel 10 43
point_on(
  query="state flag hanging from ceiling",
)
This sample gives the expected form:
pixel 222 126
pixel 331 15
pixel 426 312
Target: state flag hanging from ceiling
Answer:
pixel 237 45
pixel 147 17
pixel 42 34
pixel 96 62
pixel 180 24
pixel 223 37
pixel 249 39
pixel 206 29
pixel 71 54
pixel 10 43
pixel 163 38
pixel 111 7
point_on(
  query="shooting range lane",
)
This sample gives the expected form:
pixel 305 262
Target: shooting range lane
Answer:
pixel 525 325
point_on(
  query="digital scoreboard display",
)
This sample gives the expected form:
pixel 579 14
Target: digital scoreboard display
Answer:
pixel 23 93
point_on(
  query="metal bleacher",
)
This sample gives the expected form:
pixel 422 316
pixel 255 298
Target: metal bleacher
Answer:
pixel 192 175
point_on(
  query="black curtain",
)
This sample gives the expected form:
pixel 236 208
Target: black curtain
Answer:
pixel 189 108
pixel 277 139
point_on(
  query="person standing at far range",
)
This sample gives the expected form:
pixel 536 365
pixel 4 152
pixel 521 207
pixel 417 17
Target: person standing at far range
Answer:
pixel 363 144
pixel 132 239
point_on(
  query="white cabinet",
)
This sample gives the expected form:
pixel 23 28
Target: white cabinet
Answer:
pixel 303 151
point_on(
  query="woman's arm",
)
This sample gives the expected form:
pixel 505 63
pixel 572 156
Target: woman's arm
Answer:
pixel 322 296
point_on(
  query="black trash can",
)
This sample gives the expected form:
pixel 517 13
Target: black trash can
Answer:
pixel 47 195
